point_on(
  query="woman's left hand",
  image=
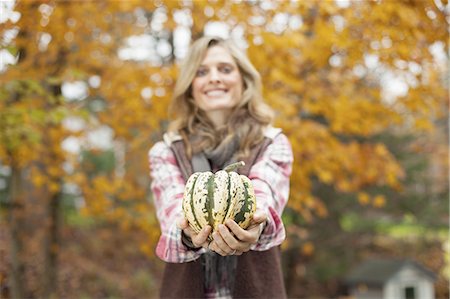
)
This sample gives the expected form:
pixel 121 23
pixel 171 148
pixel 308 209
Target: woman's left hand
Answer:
pixel 231 239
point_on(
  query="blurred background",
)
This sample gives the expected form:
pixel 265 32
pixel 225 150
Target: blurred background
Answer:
pixel 359 87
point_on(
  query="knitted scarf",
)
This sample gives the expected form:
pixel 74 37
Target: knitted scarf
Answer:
pixel 219 271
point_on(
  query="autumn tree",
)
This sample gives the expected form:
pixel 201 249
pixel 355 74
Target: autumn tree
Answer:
pixel 328 70
pixel 55 46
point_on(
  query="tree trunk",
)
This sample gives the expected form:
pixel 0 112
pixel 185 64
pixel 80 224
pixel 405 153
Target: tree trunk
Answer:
pixel 16 220
pixel 291 260
pixel 53 209
pixel 51 248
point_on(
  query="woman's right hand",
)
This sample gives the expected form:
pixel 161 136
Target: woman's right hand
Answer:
pixel 198 240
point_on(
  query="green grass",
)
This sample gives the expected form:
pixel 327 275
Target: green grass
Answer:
pixel 75 219
pixel 408 227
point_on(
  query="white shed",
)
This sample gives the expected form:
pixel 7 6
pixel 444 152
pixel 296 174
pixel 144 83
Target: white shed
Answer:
pixel 390 279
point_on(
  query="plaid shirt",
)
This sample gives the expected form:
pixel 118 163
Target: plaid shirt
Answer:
pixel 270 178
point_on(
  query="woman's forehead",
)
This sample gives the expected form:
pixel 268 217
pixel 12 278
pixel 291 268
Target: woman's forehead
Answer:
pixel 217 54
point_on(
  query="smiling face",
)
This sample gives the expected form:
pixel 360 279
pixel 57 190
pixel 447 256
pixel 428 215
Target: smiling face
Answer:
pixel 217 86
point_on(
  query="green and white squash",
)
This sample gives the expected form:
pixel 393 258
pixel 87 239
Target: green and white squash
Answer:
pixel 210 199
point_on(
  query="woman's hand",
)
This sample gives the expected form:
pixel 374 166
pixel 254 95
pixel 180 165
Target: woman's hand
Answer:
pixel 231 239
pixel 198 240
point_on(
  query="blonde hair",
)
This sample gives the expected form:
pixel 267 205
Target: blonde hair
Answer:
pixel 247 119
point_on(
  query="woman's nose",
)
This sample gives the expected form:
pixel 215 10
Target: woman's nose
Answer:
pixel 214 76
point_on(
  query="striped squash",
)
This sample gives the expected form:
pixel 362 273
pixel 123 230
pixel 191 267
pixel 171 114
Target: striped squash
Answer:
pixel 211 198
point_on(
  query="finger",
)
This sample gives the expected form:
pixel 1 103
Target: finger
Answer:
pixel 240 233
pixel 206 244
pixel 254 232
pixel 259 217
pixel 220 243
pixel 248 236
pixel 213 246
pixel 228 237
pixel 188 231
pixel 182 223
pixel 201 237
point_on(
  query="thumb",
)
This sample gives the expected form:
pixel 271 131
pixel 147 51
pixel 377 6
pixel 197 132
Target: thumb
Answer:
pixel 200 238
pixel 204 233
pixel 182 223
pixel 259 217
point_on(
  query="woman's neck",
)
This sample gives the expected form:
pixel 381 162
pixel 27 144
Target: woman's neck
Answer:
pixel 218 118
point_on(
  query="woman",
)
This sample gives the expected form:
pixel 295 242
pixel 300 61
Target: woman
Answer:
pixel 219 117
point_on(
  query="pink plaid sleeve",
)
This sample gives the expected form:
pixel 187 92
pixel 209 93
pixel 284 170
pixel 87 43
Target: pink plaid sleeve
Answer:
pixel 168 186
pixel 270 177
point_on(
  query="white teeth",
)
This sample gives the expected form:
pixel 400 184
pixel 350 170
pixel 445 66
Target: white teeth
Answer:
pixel 214 93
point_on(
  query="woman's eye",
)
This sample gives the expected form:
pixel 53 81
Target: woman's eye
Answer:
pixel 201 72
pixel 226 69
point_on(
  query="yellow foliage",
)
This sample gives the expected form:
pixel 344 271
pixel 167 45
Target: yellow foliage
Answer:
pixel 363 198
pixel 325 176
pixel 328 101
pixel 379 201
pixel 146 248
pixel 53 187
pixel 308 249
pixel 38 179
pixel 423 124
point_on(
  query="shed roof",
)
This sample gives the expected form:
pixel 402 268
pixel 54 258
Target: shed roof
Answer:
pixel 379 271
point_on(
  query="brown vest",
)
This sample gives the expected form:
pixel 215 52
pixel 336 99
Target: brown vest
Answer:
pixel 258 273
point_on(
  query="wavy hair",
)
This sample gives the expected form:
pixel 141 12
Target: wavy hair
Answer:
pixel 246 121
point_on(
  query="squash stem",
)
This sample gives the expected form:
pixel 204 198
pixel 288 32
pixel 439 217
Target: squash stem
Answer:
pixel 234 166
